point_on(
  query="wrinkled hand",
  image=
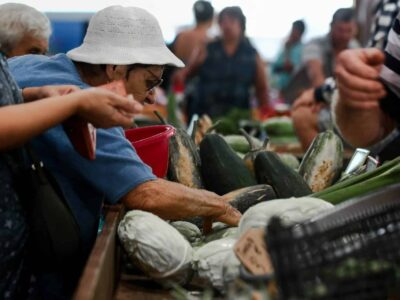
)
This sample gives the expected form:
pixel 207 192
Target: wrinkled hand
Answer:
pixel 106 109
pixel 173 201
pixel 357 75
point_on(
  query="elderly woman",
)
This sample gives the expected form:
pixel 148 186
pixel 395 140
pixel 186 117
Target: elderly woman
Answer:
pixel 18 123
pixel 122 43
pixel 23 30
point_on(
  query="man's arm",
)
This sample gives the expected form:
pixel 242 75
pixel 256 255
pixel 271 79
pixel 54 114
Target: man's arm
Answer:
pixel 315 72
pixel 174 201
pixel 261 84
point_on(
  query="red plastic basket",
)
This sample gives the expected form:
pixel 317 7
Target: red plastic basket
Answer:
pixel 151 144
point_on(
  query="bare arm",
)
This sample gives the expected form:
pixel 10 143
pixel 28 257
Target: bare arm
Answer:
pixel 19 123
pixel 261 83
pixel 173 201
pixel 357 112
pixel 196 59
pixel 315 72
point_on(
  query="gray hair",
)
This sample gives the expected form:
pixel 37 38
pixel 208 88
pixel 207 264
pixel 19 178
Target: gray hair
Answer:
pixel 19 19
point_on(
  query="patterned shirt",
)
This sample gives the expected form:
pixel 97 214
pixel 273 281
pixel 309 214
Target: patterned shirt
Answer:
pixel 16 281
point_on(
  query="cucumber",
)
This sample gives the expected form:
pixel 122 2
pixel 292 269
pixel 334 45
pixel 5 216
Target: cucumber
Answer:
pixel 285 181
pixel 222 169
pixel 323 161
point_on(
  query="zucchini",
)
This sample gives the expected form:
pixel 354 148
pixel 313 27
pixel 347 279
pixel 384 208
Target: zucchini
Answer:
pixel 285 181
pixel 243 199
pixel 290 160
pixel 385 175
pixel 184 159
pixel 240 144
pixel 323 161
pixel 221 169
pixel 279 126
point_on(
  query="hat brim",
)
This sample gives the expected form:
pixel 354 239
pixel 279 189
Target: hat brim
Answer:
pixel 120 56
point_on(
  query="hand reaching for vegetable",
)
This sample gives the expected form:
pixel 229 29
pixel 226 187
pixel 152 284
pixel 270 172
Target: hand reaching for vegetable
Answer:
pixel 36 93
pixel 174 201
pixel 106 109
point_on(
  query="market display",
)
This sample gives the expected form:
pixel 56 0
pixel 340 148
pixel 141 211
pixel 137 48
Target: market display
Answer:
pixel 265 186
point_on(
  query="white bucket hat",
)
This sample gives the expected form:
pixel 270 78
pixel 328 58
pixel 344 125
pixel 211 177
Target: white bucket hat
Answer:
pixel 122 36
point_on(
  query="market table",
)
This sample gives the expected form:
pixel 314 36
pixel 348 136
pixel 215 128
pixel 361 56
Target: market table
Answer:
pixel 103 277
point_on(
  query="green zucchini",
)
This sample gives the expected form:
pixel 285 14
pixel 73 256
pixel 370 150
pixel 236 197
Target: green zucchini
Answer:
pixel 286 182
pixel 222 169
pixel 290 160
pixel 323 161
pixel 184 159
pixel 244 198
pixel 239 143
pixel 279 126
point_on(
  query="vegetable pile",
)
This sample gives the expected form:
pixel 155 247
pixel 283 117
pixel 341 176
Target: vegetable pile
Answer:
pixel 258 182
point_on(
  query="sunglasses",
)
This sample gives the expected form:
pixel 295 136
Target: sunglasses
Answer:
pixel 151 84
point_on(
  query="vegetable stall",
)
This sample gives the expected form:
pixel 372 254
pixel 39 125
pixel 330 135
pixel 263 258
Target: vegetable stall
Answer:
pixel 319 226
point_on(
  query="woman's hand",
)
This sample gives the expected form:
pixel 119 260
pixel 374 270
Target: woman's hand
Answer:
pixel 35 93
pixel 106 109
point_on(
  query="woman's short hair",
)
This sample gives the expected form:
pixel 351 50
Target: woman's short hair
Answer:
pixel 16 20
pixel 233 12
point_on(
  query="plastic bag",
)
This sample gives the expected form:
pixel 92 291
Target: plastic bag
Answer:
pixel 156 247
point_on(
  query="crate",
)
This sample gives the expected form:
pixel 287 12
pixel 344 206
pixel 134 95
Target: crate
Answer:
pixel 351 252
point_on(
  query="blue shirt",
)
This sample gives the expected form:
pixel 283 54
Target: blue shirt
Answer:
pixel 117 168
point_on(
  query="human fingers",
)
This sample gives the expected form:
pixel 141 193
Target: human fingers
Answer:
pixel 230 216
pixel 358 99
pixel 364 63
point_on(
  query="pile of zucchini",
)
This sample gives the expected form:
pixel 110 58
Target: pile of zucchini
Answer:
pixel 241 168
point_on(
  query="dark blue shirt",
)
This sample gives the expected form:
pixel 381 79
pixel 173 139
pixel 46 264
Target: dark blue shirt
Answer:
pixel 225 81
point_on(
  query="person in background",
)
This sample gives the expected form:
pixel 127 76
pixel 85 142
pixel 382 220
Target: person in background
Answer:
pixel 131 49
pixel 319 58
pixel 385 14
pixel 367 107
pixel 18 124
pixel 189 42
pixel 288 60
pixel 193 39
pixel 23 30
pixel 320 54
pixel 226 70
